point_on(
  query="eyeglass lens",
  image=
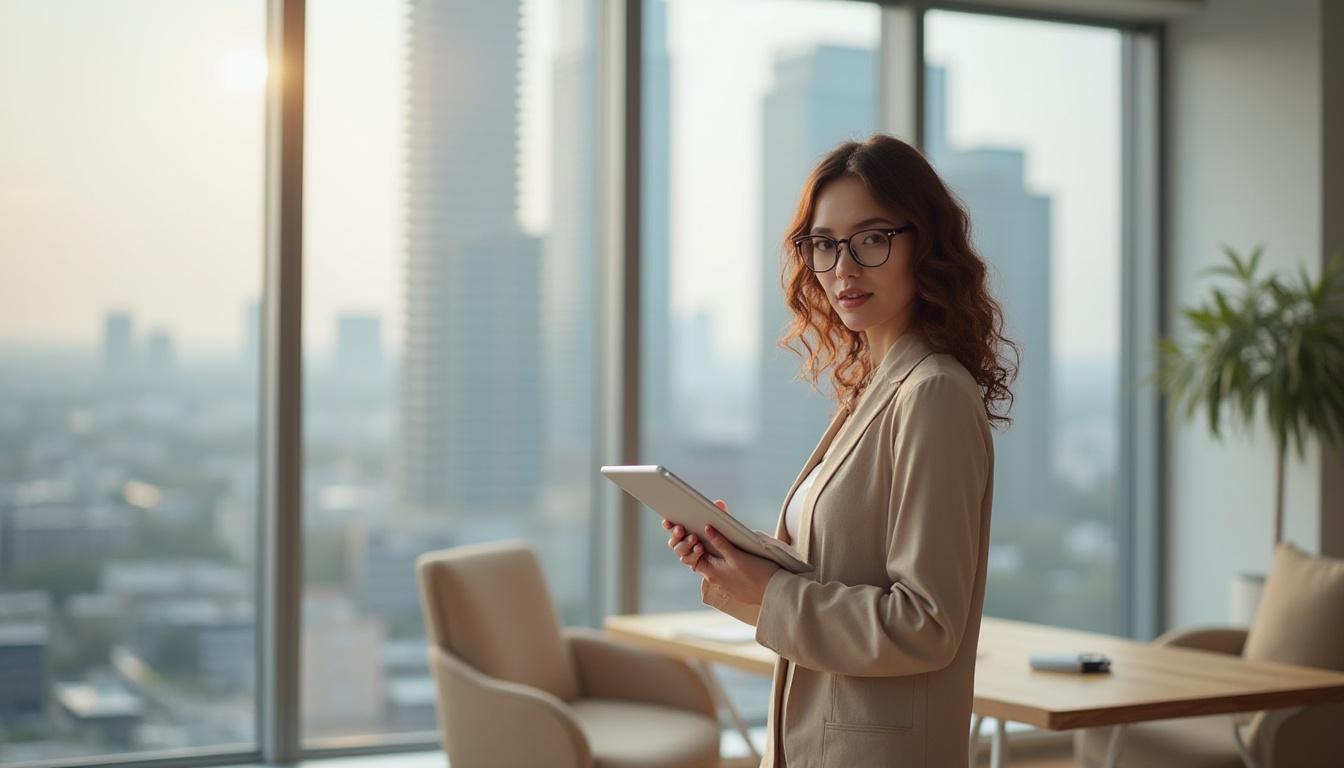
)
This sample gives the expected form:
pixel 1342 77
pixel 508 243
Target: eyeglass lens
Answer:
pixel 869 247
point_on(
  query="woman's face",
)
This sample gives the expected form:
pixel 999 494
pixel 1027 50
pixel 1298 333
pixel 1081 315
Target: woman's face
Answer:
pixel 876 301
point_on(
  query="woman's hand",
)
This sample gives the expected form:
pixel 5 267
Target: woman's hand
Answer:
pixel 686 546
pixel 741 576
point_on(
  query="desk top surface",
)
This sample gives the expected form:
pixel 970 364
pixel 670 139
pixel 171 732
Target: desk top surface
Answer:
pixel 1146 682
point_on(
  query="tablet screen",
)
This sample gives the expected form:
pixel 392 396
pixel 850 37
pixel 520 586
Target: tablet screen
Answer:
pixel 673 499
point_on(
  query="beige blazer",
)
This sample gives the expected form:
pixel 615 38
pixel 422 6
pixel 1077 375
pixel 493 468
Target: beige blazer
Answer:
pixel 877 646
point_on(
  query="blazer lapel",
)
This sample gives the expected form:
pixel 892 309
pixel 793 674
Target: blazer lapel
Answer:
pixel 844 433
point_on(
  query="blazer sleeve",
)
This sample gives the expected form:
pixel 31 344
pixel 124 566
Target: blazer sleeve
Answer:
pixel 716 598
pixel 939 481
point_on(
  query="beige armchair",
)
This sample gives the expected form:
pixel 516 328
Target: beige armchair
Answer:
pixel 1300 621
pixel 516 690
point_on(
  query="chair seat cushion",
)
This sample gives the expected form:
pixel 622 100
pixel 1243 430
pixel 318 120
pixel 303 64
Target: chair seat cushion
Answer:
pixel 1191 742
pixel 626 734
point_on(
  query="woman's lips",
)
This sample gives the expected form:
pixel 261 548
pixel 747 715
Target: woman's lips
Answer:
pixel 852 299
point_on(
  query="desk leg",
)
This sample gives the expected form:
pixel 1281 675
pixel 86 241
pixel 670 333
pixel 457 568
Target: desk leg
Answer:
pixel 976 722
pixel 724 703
pixel 1113 750
pixel 998 748
pixel 1269 728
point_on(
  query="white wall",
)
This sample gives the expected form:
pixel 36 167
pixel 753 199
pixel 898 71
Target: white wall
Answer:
pixel 1244 153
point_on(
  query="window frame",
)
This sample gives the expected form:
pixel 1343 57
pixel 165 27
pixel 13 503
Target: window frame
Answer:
pixel 618 431
pixel 1139 603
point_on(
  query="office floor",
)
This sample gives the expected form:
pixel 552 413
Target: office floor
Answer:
pixel 1050 752
pixel 1055 753
pixel 1054 758
pixel 1064 760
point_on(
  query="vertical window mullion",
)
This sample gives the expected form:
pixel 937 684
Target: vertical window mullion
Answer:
pixel 280 571
pixel 1141 305
pixel 900 73
pixel 619 334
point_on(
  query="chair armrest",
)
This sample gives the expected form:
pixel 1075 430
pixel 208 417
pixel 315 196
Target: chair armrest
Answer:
pixel 1229 640
pixel 612 669
pixel 1297 738
pixel 486 721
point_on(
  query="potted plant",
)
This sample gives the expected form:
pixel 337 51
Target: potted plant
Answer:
pixel 1268 347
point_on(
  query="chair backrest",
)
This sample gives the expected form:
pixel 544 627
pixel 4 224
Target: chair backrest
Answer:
pixel 488 605
pixel 1301 615
pixel 1300 621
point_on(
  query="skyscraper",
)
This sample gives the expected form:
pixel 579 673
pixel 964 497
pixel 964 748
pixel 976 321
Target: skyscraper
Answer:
pixel 359 365
pixel 570 249
pixel 825 95
pixel 160 357
pixel 658 414
pixel 119 358
pixel 1011 230
pixel 569 269
pixel 820 97
pixel 470 404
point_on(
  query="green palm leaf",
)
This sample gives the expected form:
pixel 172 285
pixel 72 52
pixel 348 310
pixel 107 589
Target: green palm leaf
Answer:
pixel 1269 343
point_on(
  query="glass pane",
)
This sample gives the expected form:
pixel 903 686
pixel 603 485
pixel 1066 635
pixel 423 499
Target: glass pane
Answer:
pixel 448 326
pixel 1023 121
pixel 131 181
pixel 733 123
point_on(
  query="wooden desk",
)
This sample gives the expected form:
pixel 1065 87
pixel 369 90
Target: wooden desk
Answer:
pixel 1146 682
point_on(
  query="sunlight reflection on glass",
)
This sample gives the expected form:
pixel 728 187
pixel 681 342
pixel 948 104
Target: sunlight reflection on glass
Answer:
pixel 244 70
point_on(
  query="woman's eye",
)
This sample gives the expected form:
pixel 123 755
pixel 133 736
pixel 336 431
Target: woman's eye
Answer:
pixel 874 238
pixel 823 245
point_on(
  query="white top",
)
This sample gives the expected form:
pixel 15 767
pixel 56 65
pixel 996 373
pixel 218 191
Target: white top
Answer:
pixel 793 514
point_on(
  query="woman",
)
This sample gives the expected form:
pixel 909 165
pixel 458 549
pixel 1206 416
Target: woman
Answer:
pixel 877 645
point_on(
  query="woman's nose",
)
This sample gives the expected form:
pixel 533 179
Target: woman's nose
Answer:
pixel 845 264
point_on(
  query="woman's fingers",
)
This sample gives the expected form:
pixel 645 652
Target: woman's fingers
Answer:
pixel 687 547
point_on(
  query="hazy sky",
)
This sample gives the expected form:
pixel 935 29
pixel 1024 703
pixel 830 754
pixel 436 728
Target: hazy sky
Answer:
pixel 131 155
pixel 129 174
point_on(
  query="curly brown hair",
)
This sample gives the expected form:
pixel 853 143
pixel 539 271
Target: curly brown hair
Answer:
pixel 954 308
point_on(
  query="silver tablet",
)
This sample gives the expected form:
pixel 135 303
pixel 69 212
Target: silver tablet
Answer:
pixel 673 499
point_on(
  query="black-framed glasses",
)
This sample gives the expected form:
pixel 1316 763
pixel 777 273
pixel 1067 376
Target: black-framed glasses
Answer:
pixel 868 247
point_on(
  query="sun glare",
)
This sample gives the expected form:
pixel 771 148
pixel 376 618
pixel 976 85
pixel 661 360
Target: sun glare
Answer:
pixel 244 70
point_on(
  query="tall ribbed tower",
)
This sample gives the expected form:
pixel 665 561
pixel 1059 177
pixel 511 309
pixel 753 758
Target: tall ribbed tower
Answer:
pixel 569 264
pixel 1011 229
pixel 820 97
pixel 569 268
pixel 470 387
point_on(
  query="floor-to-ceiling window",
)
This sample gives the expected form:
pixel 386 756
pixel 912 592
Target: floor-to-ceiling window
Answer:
pixel 1023 120
pixel 733 124
pixel 131 185
pixel 740 100
pixel 448 334
pixel 450 323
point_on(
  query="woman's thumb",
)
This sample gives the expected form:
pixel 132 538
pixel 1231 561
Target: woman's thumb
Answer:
pixel 720 542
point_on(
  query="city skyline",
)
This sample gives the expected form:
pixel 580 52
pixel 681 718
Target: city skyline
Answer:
pixel 450 325
pixel 354 94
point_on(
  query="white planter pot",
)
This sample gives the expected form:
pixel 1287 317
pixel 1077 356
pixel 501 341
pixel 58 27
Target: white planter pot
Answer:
pixel 1245 596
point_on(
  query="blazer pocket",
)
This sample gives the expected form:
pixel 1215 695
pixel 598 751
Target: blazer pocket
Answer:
pixel 849 746
pixel 876 702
